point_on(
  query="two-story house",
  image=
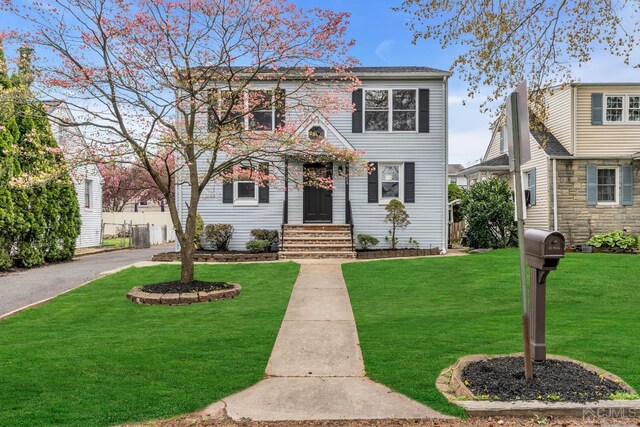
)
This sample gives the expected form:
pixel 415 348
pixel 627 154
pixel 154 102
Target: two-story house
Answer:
pixel 584 171
pixel 400 120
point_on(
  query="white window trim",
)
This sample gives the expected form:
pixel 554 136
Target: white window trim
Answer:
pixel 245 118
pixel 389 110
pixel 625 109
pixel 617 187
pixel 88 194
pixel 245 201
pixel 384 201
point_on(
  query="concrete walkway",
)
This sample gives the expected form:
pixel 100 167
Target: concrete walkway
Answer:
pixel 316 370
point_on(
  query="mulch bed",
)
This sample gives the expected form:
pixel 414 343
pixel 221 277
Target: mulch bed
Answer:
pixel 219 256
pixel 177 287
pixel 502 378
pixel 395 253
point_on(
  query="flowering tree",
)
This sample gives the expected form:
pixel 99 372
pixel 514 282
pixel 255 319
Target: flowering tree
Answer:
pixel 195 79
pixel 126 182
pixel 498 44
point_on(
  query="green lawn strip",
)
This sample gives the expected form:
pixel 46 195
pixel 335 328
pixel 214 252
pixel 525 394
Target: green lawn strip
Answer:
pixel 416 317
pixel 117 242
pixel 91 357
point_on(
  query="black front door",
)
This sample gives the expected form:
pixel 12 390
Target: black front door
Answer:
pixel 317 202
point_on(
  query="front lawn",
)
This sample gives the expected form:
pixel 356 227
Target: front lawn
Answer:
pixel 416 317
pixel 91 357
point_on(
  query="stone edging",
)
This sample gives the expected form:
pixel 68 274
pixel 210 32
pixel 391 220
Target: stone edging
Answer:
pixel 217 257
pixel 137 296
pixel 398 253
pixel 451 385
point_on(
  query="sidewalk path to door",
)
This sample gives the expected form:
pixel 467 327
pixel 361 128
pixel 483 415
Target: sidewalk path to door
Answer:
pixel 316 370
pixel 28 287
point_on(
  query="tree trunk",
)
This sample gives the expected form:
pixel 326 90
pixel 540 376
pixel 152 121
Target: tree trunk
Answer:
pixel 187 252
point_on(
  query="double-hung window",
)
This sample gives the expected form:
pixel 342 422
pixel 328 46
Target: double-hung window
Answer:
pixel 390 110
pixel 608 185
pixel 390 181
pixel 245 191
pixel 255 111
pixel 622 108
pixel 88 193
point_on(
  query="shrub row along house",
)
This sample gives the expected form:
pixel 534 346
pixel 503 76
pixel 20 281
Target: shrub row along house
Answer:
pixel 584 171
pixel 399 120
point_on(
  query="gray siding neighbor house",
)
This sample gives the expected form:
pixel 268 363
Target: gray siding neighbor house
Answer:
pixel 410 164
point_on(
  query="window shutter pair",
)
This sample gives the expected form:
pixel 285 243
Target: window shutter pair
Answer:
pixel 423 111
pixel 263 192
pixel 627 185
pixel 409 183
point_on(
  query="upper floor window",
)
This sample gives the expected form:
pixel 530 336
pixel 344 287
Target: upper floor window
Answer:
pixel 622 109
pixel 252 109
pixel 390 109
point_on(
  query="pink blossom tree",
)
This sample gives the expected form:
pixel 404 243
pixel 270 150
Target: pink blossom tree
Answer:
pixel 192 78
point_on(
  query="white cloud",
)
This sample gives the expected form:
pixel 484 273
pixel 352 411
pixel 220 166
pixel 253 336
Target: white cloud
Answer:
pixel 382 50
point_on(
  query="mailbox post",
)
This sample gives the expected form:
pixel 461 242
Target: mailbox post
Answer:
pixel 543 251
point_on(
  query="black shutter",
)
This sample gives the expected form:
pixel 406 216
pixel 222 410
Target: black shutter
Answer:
pixel 212 118
pixel 356 116
pixel 596 108
pixel 280 97
pixel 372 184
pixel 227 189
pixel 409 182
pixel 263 191
pixel 423 114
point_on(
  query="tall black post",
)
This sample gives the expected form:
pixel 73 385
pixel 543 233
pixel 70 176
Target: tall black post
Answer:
pixel 347 215
pixel 285 214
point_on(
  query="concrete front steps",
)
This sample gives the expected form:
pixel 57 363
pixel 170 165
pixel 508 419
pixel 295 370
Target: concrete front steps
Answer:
pixel 316 241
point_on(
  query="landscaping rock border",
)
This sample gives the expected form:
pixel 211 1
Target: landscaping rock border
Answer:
pixel 398 253
pixel 137 296
pixel 219 257
pixel 451 385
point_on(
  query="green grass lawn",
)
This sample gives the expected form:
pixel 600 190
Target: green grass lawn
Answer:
pixel 91 357
pixel 416 317
pixel 118 242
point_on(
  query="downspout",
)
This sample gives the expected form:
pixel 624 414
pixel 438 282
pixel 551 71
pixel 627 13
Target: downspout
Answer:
pixel 445 201
pixel 574 120
pixel 555 194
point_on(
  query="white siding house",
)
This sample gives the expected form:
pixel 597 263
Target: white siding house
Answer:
pixel 411 165
pixel 86 178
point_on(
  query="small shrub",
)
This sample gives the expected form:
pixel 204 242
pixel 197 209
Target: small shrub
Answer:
pixel 398 217
pixel 258 245
pixel 260 234
pixel 413 243
pixel 219 236
pixel 366 242
pixel 197 237
pixel 614 239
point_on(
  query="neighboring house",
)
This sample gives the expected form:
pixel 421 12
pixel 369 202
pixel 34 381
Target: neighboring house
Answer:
pixel 141 205
pixel 584 174
pixel 455 177
pixel 410 165
pixel 87 179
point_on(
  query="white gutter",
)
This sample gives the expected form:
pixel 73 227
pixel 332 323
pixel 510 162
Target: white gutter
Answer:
pixel 555 195
pixel 574 120
pixel 595 157
pixel 445 166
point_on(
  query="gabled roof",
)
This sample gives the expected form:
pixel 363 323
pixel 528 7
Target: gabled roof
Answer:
pixel 501 160
pixel 500 163
pixel 547 140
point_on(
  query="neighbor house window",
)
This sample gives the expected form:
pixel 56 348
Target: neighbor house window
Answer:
pixel 390 109
pixel 390 181
pixel 607 185
pixel 622 109
pixel 88 193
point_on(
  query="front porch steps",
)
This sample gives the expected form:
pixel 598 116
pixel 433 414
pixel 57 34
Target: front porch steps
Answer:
pixel 316 241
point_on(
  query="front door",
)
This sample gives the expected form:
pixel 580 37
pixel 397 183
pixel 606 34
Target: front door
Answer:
pixel 317 202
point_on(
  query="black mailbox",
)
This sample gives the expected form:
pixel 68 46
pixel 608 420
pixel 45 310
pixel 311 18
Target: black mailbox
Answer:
pixel 543 248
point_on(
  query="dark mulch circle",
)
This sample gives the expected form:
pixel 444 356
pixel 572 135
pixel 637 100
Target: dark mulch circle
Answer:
pixel 502 378
pixel 177 287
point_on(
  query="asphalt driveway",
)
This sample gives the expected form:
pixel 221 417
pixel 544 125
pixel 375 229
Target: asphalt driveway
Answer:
pixel 26 287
